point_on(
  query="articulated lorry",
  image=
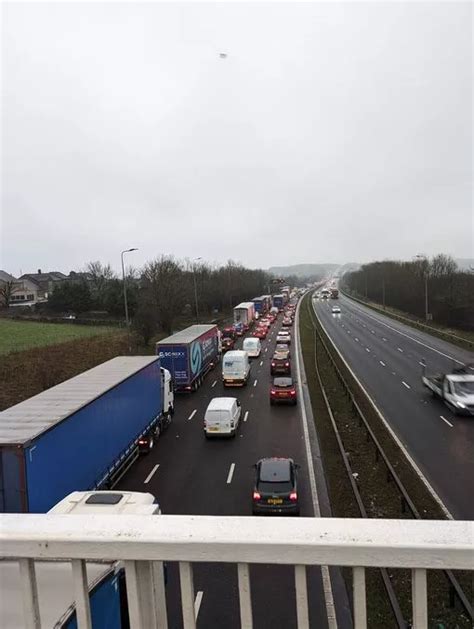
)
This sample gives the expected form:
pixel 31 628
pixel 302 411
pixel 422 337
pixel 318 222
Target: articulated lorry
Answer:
pixel 244 314
pixel 83 433
pixel 334 293
pixel 190 354
pixel 456 389
pixel 105 580
pixel 262 304
pixel 278 302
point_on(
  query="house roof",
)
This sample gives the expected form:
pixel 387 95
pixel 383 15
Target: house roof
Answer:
pixel 6 277
pixel 44 277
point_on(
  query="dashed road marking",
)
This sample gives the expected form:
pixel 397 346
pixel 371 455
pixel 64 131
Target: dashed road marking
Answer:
pixel 255 383
pixel 192 414
pixel 406 385
pixel 246 416
pixel 367 349
pixel 231 473
pixel 400 349
pixel 214 384
pixel 382 363
pixel 384 339
pixel 197 603
pixel 261 363
pixel 372 331
pixel 356 339
pixel 445 420
pixel 150 475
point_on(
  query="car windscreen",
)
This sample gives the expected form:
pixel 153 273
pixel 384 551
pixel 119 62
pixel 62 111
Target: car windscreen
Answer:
pixel 464 387
pixel 275 471
pixel 282 382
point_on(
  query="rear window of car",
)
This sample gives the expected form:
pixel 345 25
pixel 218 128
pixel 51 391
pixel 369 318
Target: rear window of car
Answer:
pixel 277 487
pixel 281 356
pixel 282 382
pixel 275 471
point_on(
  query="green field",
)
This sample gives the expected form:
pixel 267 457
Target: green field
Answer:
pixel 19 335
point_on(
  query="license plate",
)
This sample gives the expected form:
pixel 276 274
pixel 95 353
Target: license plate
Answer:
pixel 213 429
pixel 283 394
pixel 275 501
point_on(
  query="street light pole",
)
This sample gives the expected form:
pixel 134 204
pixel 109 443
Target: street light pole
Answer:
pixel 195 290
pixel 127 322
pixel 425 273
pixel 383 292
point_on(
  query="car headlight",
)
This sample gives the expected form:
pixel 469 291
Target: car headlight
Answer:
pixel 460 404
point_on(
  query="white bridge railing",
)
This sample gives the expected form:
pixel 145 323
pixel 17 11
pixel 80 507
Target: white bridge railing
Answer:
pixel 143 543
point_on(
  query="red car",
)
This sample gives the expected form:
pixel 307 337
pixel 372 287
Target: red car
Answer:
pixel 283 390
pixel 228 333
pixel 260 333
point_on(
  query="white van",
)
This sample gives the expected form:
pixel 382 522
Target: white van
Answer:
pixel 252 346
pixel 235 368
pixel 222 417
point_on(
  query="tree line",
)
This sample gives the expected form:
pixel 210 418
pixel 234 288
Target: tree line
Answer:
pixel 163 290
pixel 403 285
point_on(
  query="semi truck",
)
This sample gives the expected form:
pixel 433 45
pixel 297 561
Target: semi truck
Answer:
pixel 189 355
pixel 334 293
pixel 278 301
pixel 244 313
pixel 82 434
pixel 456 389
pixel 262 304
pixel 105 580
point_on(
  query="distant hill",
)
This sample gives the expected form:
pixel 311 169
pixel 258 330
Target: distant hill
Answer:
pixel 304 270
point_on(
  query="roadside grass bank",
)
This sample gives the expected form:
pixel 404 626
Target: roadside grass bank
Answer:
pixel 380 496
pixel 17 336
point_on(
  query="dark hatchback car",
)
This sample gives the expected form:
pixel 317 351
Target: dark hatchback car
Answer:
pixel 280 363
pixel 283 390
pixel 275 489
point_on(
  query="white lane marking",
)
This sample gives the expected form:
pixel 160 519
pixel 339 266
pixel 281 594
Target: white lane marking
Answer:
pixel 192 414
pixel 445 420
pixel 255 383
pixel 367 349
pixel 246 416
pixel 406 385
pixel 382 363
pixel 326 577
pixel 231 473
pixel 420 362
pixel 356 339
pixel 197 603
pixel 372 331
pixel 266 349
pixel 261 363
pixel 150 475
pixel 419 343
pixel 214 384
pixel 400 349
pixel 384 339
pixel 348 331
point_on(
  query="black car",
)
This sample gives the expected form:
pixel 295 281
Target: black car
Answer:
pixel 275 489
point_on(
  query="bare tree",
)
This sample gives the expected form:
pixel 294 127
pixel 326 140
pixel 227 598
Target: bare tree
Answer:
pixel 165 280
pixel 100 273
pixel 7 289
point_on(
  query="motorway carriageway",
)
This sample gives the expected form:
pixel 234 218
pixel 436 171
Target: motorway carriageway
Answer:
pixel 191 475
pixel 387 356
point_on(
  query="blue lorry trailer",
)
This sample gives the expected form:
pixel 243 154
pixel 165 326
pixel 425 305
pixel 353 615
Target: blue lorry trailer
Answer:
pixel 278 301
pixel 81 434
pixel 189 355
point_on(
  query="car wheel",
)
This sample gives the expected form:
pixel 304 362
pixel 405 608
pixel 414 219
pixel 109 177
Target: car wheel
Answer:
pixel 295 402
pixel 272 402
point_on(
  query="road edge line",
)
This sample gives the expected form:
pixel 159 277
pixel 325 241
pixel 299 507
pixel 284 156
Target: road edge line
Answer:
pixel 325 575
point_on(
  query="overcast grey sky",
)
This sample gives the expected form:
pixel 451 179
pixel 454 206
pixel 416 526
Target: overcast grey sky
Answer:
pixel 330 133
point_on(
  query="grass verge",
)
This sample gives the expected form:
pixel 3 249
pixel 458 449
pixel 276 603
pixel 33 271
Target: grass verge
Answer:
pixel 16 336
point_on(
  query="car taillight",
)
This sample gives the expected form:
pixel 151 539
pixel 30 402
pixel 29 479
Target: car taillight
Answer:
pixel 273 364
pixel 256 495
pixel 142 442
pixel 293 495
pixel 273 392
pixel 292 392
pixel 287 364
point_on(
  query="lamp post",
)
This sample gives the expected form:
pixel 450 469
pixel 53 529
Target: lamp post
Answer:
pixel 195 289
pixel 127 322
pixel 420 256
